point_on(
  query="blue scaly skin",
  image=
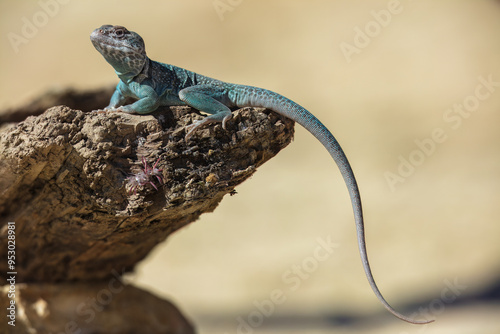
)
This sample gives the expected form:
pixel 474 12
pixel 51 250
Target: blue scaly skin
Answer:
pixel 155 84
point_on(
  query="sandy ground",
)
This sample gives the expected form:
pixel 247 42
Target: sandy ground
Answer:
pixel 412 91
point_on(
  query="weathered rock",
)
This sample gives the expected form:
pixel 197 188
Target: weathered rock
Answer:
pixel 98 308
pixel 86 100
pixel 63 183
pixel 77 225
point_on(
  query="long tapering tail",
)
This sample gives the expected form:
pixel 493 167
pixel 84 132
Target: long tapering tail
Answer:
pixel 286 107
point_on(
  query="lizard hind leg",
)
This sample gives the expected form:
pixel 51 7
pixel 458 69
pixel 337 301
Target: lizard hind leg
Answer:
pixel 206 99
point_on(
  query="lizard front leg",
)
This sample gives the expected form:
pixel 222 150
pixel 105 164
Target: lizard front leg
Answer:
pixel 145 105
pixel 206 98
pixel 117 99
pixel 148 100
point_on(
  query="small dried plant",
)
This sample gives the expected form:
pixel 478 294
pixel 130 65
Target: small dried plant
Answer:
pixel 145 176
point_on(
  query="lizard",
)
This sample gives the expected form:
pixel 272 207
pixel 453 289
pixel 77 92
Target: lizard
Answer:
pixel 153 84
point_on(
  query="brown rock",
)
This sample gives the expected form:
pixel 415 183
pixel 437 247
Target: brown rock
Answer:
pixel 98 308
pixel 64 184
pixel 79 221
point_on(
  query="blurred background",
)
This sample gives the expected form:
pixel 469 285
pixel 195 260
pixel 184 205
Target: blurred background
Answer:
pixel 411 89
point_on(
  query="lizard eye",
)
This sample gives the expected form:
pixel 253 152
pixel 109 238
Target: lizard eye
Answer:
pixel 119 32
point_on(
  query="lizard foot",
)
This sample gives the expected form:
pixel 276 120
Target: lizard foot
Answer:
pixel 190 129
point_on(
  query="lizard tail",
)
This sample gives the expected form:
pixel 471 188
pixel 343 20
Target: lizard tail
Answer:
pixel 258 97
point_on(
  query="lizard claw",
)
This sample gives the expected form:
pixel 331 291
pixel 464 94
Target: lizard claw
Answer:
pixel 190 129
pixel 225 119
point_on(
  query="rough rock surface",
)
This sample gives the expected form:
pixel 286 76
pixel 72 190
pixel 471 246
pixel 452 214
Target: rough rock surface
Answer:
pixel 98 308
pixel 79 224
pixel 85 100
pixel 64 184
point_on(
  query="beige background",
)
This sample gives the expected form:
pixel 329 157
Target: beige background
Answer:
pixel 440 225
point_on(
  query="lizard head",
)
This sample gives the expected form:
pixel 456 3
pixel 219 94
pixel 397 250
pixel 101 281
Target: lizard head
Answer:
pixel 123 49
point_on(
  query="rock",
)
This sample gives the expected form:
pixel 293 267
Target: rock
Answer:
pixel 98 308
pixel 64 176
pixel 80 205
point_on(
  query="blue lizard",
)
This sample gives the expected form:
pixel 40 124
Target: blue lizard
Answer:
pixel 155 84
